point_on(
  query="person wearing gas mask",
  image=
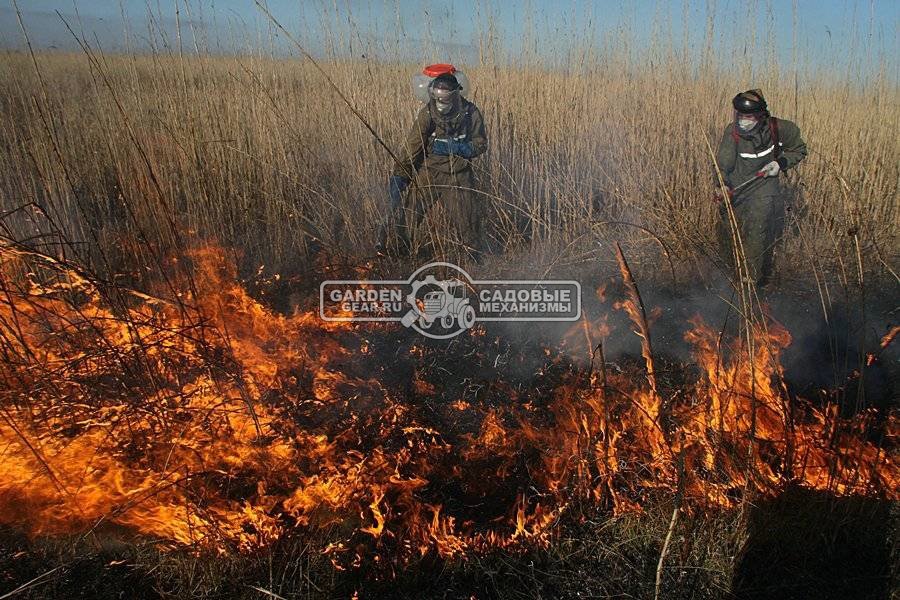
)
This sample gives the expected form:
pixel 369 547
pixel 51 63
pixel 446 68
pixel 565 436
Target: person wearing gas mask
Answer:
pixel 755 149
pixel 436 158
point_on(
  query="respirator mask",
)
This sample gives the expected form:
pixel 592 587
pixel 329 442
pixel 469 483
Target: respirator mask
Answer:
pixel 444 91
pixel 747 122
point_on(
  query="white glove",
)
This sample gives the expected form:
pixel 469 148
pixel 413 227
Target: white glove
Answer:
pixel 771 170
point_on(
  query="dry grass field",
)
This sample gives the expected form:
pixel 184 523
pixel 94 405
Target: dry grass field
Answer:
pixel 260 155
pixel 176 422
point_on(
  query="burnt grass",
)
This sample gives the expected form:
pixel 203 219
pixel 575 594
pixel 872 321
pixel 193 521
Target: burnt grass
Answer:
pixel 802 544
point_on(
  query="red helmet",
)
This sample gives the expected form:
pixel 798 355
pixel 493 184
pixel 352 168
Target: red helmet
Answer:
pixel 439 69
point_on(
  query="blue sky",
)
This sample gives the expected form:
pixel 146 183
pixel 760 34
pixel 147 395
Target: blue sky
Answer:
pixel 825 32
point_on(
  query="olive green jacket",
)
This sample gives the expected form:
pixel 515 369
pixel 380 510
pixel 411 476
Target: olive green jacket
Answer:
pixel 740 160
pixel 465 125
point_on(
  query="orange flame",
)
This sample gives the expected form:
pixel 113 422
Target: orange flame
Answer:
pixel 221 424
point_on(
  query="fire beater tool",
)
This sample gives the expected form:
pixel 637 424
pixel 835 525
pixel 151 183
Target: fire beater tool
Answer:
pixel 734 190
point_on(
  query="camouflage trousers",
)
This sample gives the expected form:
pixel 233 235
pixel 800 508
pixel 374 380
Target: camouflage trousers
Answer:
pixel 760 222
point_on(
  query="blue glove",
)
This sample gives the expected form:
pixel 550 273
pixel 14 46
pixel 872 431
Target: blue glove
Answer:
pixel 463 149
pixel 396 185
pixel 441 147
pixel 444 147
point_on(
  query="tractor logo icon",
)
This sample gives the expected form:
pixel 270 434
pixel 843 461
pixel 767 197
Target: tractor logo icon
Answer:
pixel 445 302
pixel 441 300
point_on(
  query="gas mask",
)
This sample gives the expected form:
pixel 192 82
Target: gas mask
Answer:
pixel 444 98
pixel 443 107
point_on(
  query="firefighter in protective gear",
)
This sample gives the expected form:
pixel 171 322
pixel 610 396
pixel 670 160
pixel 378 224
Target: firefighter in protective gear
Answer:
pixel 756 147
pixel 447 134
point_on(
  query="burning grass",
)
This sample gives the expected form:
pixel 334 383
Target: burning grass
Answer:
pixel 213 423
pixel 193 421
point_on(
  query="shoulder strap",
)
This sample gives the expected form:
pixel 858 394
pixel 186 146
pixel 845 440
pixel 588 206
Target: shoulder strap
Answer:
pixel 463 124
pixel 773 133
pixel 734 133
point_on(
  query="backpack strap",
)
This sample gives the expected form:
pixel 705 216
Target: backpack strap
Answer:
pixel 461 131
pixel 773 134
pixel 463 128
